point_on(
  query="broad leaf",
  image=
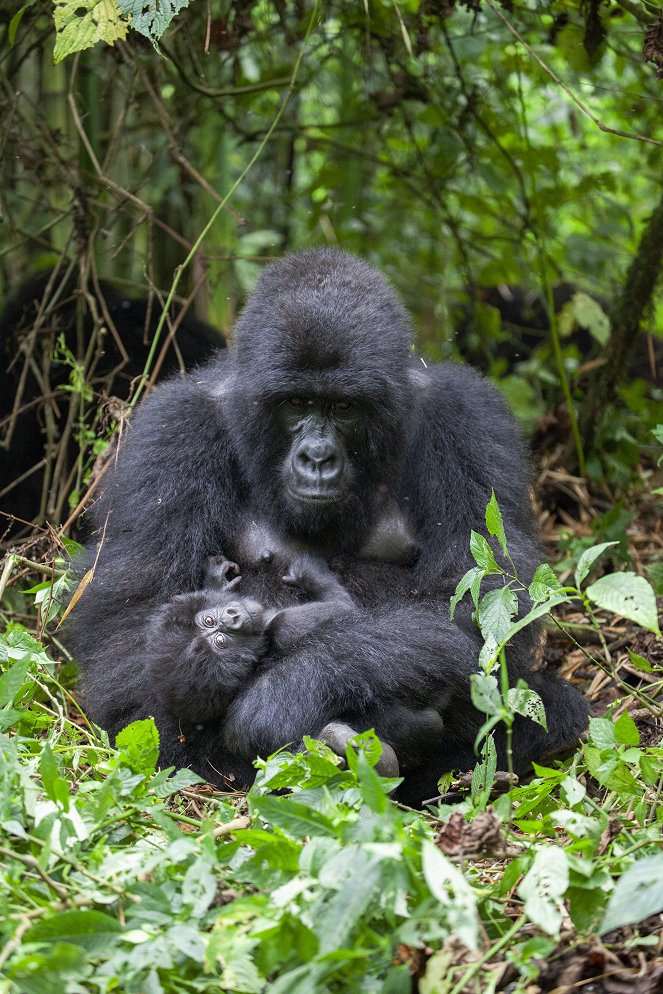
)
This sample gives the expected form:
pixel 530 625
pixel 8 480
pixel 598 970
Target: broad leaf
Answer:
pixel 496 609
pixel 93 930
pixel 449 886
pixel 637 894
pixel 543 887
pixel 628 595
pixel 465 584
pixel 79 24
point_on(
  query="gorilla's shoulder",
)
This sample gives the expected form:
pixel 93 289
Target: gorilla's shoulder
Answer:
pixel 191 394
pixel 457 387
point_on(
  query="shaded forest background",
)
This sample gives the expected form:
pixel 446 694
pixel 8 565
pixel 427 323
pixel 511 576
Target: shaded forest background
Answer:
pixel 493 160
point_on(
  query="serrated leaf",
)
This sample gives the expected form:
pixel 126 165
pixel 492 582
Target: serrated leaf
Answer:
pixel 485 693
pixel 543 887
pixel 80 24
pixel 151 17
pixel 465 584
pixel 638 894
pixel 93 930
pixel 528 703
pixel 494 522
pixel 602 733
pixel 588 558
pixel 482 553
pixel 179 781
pixel 544 583
pixel 198 887
pixel 139 745
pixel 496 609
pixel 626 730
pixel 628 595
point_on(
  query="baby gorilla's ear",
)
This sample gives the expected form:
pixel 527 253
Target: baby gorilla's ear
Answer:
pixel 180 612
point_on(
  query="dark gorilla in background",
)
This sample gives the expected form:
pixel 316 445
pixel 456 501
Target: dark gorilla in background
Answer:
pixel 316 411
pixel 38 411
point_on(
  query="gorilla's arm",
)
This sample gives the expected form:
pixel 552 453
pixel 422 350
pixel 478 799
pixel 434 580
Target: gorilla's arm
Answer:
pixel 363 662
pixel 289 625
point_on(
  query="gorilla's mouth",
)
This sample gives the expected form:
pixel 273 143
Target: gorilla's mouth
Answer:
pixel 317 496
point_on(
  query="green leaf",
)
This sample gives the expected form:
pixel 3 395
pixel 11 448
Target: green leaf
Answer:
pixel 527 702
pixel 586 312
pixel 297 820
pixel 56 788
pixel 448 885
pixel 482 553
pixel 496 609
pixel 79 24
pixel 544 583
pixel 602 733
pixel 626 730
pixel 139 745
pixel 343 911
pixel 12 681
pixel 470 578
pixel 543 887
pixel 640 662
pixel 485 693
pixel 588 558
pixel 93 930
pixel 638 894
pixel 494 522
pixel 628 595
pixel 151 17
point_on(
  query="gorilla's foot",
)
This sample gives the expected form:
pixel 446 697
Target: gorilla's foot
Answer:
pixel 337 735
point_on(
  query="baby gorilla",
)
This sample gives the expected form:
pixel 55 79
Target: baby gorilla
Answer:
pixel 224 636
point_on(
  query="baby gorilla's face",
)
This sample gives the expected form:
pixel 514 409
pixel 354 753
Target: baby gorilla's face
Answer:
pixel 229 623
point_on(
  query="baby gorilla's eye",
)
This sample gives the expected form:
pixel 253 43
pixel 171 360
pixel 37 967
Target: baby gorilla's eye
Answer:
pixel 220 640
pixel 208 621
pixel 296 401
pixel 342 406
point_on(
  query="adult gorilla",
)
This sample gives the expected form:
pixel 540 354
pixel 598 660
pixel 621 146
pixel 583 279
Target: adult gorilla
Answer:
pixel 316 412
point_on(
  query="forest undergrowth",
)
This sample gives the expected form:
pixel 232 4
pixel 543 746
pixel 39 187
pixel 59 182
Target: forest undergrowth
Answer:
pixel 118 876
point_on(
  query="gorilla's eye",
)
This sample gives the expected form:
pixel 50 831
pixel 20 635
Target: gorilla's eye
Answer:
pixel 208 621
pixel 220 640
pixel 342 406
pixel 296 401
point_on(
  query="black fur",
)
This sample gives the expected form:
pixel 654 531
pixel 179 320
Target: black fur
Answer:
pixel 208 451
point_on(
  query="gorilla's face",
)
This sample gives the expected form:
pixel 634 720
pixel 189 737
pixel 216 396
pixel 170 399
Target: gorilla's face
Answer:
pixel 319 397
pixel 322 434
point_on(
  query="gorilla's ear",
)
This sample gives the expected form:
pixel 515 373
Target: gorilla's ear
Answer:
pixel 420 378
